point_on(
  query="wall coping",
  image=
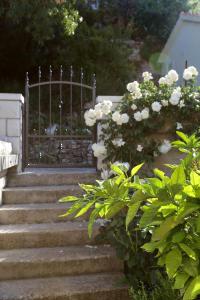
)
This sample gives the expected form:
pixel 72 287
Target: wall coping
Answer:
pixel 11 97
pixel 114 99
pixel 8 161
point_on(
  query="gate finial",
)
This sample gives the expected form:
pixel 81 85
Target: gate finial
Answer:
pixel 27 79
pixel 94 80
pixel 39 73
pixel 50 72
pixel 71 72
pixel 61 73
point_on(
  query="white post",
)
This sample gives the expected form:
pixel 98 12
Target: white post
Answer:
pixel 11 122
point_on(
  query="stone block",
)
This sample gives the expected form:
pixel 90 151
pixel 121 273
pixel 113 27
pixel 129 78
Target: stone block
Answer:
pixel 13 127
pixel 2 127
pixel 10 109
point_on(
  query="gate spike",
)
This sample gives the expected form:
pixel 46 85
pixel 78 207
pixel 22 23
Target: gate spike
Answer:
pixel 27 79
pixel 94 80
pixel 82 74
pixel 39 72
pixel 50 71
pixel 61 72
pixel 71 72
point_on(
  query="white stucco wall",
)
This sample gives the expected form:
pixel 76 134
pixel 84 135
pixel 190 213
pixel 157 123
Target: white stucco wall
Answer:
pixel 11 121
pixel 184 44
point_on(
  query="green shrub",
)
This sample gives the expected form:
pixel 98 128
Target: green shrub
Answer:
pixel 167 207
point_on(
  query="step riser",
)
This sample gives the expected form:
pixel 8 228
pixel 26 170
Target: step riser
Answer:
pixel 55 268
pixel 44 239
pixel 49 179
pixel 35 216
pixel 106 295
pixel 40 196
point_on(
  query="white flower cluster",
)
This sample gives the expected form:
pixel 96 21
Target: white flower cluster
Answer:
pixel 175 96
pixel 119 118
pixel 134 89
pixel 165 147
pixel 147 76
pixel 118 142
pixel 156 106
pixel 171 78
pixel 190 73
pixel 100 110
pixel 141 115
pixel 99 150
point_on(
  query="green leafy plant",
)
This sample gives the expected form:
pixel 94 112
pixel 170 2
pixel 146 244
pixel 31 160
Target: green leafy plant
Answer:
pixel 165 207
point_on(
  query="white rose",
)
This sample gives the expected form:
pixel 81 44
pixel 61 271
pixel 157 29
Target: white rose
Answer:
pixel 175 97
pixel 124 118
pixel 165 147
pixel 116 116
pixel 138 116
pixel 164 102
pixel 182 104
pixel 187 75
pixel 133 106
pixel 118 142
pixel 145 113
pixel 90 122
pixel 162 80
pixel 137 94
pixel 179 126
pixel 172 77
pixel 132 86
pixel 98 111
pixel 106 106
pixel 99 149
pixel 193 70
pixel 90 113
pixel 139 148
pixel 147 76
pixel 105 174
pixel 156 106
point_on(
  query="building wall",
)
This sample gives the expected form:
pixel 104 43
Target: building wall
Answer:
pixel 184 47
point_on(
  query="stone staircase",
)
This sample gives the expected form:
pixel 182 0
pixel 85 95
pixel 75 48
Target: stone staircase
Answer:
pixel 44 257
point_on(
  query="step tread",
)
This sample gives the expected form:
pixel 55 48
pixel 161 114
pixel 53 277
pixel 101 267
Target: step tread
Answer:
pixel 41 188
pixel 45 227
pixel 35 206
pixel 70 287
pixel 60 254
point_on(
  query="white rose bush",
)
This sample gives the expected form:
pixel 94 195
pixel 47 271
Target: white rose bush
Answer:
pixel 133 130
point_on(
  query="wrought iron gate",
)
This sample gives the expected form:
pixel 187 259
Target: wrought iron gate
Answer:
pixel 55 134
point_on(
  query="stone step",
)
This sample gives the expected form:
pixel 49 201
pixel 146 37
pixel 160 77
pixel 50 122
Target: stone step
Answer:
pixel 60 261
pixel 38 178
pixel 38 194
pixel 83 287
pixel 45 235
pixel 35 213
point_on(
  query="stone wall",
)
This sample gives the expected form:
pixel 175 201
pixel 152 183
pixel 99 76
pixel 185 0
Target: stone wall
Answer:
pixel 11 121
pixel 69 153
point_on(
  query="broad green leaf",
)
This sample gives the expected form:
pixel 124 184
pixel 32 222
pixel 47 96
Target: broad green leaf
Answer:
pixel 73 208
pixel 161 260
pixel 85 209
pixel 117 170
pixel 178 237
pixel 180 280
pixel 159 173
pixel 148 215
pixel 186 210
pixel 183 136
pixel 178 176
pixel 132 211
pixel 189 191
pixel 136 169
pixel 193 289
pixel 194 178
pixel 167 209
pixel 68 199
pixel 162 232
pixel 190 267
pixel 88 188
pixel 151 246
pixel 92 219
pixel 188 251
pixel 114 209
pixel 173 262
